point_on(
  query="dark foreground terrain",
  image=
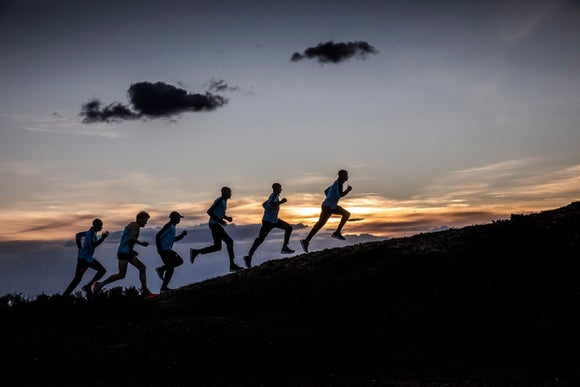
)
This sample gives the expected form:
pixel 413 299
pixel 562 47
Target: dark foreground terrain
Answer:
pixel 494 304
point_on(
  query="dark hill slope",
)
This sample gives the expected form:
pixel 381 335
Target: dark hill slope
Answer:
pixel 483 305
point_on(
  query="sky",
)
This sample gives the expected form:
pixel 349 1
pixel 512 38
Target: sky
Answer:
pixel 445 114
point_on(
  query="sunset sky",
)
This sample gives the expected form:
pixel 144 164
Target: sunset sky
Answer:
pixel 459 112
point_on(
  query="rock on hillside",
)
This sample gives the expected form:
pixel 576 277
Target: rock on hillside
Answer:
pixel 489 304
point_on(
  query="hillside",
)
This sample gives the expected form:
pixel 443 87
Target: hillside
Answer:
pixel 493 304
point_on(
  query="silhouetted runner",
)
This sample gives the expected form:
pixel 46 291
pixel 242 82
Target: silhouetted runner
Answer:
pixel 270 220
pixel 127 255
pixel 217 218
pixel 85 258
pixel 164 242
pixel 330 207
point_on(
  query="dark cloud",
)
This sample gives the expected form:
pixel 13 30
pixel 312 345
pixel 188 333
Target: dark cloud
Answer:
pixel 160 99
pixel 94 112
pixel 331 52
pixel 153 100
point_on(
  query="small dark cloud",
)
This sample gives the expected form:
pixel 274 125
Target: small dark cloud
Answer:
pixel 153 100
pixel 93 111
pixel 331 52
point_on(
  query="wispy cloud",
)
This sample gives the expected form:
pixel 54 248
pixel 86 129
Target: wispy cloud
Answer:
pixel 528 181
pixel 57 123
pixel 219 86
pixel 521 18
pixel 74 131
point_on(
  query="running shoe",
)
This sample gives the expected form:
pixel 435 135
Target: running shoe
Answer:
pixel 96 287
pixel 338 235
pixel 248 261
pixel 165 290
pixel 304 244
pixel 287 250
pixel 192 254
pixel 234 267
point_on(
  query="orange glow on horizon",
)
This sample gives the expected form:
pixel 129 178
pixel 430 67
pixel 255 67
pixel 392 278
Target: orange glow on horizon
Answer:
pixel 370 215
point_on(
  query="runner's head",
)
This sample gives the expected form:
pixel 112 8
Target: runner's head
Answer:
pixel 142 218
pixel 98 224
pixel 226 192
